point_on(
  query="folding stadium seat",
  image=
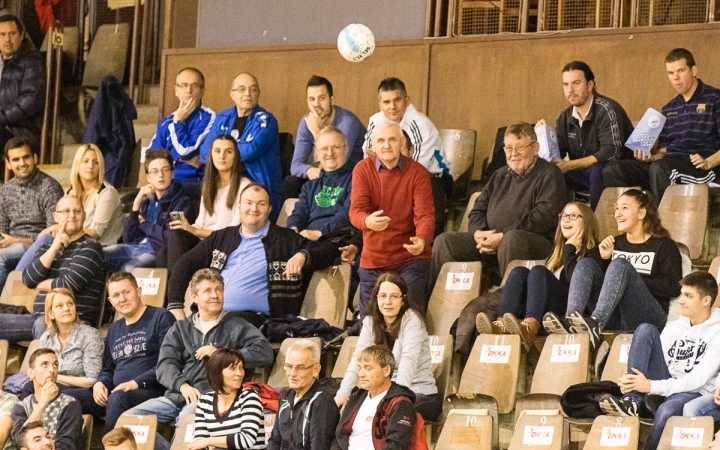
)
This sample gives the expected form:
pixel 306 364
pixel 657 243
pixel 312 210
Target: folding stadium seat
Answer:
pixel 87 430
pixel 184 433
pixel 153 282
pixel 277 378
pixel 144 428
pixel 563 362
pixel 441 348
pixel 286 211
pixel 34 344
pixel 15 293
pixel 686 433
pixel 465 220
pixel 4 345
pixel 684 211
pixel 537 429
pixel 459 147
pixel 344 357
pixel 715 271
pixel 468 429
pixel 269 425
pixel 605 210
pixel 445 305
pixel 529 263
pixel 327 295
pixel 620 433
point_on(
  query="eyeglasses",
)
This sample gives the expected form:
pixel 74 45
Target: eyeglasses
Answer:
pixel 572 217
pixel 66 212
pixel 298 369
pixel 163 171
pixel 518 150
pixel 193 87
pixel 252 89
pixel 334 148
pixel 393 297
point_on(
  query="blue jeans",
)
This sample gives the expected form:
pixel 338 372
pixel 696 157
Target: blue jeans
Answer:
pixel 532 293
pixel 29 254
pixel 590 178
pixel 9 258
pixel 647 356
pixel 624 298
pixel 414 272
pixel 702 406
pixel 126 257
pixel 21 327
pixel 166 410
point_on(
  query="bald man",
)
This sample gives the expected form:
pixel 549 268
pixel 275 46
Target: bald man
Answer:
pixel 256 132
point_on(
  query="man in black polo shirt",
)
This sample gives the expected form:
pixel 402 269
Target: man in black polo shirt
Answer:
pixel 690 139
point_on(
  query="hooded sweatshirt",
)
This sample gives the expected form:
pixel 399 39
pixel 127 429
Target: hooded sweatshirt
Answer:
pixel 692 354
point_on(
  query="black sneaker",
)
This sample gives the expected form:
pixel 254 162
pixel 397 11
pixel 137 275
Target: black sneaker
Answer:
pixel 582 324
pixel 554 324
pixel 617 406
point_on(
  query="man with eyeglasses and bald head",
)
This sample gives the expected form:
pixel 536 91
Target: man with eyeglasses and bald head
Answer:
pixel 256 131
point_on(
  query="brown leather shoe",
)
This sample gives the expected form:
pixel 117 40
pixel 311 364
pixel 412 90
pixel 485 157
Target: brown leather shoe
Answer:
pixel 485 326
pixel 527 329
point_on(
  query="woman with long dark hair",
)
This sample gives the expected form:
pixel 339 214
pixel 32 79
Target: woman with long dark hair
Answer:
pixel 393 323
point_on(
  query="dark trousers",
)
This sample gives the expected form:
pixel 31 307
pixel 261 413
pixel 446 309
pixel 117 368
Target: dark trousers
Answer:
pixel 292 186
pixel 532 293
pixel 627 172
pixel 647 356
pixel 442 187
pixel 414 272
pixel 429 406
pixel 179 243
pixel 588 179
pixel 676 169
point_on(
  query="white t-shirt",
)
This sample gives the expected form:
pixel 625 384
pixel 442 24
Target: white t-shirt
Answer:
pixel 222 217
pixel 361 436
pixel 207 326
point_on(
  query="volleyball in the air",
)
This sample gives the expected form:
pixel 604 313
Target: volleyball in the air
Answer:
pixel 356 42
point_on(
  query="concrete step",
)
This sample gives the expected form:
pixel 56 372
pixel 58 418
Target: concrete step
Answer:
pixel 58 171
pixel 148 114
pixel 68 153
pixel 144 130
pixel 151 95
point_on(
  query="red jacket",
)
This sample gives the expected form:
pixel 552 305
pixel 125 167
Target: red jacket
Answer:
pixel 403 194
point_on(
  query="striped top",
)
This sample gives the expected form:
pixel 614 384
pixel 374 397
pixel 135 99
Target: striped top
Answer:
pixel 243 423
pixel 692 126
pixel 79 267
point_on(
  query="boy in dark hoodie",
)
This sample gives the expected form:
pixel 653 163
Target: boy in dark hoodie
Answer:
pixel 147 228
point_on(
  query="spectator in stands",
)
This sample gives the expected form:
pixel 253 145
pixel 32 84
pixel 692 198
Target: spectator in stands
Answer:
pixel 395 106
pixel 307 414
pixel 380 414
pixel 667 370
pixel 147 228
pixel 78 347
pixel 73 261
pixel 323 113
pixel 263 265
pixel 229 416
pixel 688 142
pixel 103 209
pixel 515 215
pixel 27 203
pixel 390 204
pixel 226 177
pixel 60 414
pixel 592 131
pixel 132 347
pixel 181 366
pixel 184 131
pixel 119 439
pixel 256 132
pixel 394 323
pixel 22 86
pixel 530 293
pixel 324 203
pixel 7 402
pixel 34 436
pixel 640 280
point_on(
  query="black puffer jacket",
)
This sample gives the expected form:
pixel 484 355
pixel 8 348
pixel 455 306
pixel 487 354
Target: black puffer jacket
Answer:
pixel 22 92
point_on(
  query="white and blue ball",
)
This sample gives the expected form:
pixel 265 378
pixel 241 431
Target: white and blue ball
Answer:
pixel 356 42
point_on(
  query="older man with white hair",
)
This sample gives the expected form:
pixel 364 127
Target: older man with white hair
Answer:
pixel 391 203
pixel 307 414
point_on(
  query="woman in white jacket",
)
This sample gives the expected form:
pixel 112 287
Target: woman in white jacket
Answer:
pixel 393 323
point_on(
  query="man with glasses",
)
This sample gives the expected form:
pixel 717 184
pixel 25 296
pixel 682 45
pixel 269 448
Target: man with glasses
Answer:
pixel 307 414
pixel 515 216
pixel 184 131
pixel 147 228
pixel 325 201
pixel 256 131
pixel 73 260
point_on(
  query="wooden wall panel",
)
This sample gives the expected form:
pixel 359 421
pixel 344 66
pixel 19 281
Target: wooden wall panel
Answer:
pixel 283 74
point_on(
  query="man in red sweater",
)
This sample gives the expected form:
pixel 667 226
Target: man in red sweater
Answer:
pixel 392 203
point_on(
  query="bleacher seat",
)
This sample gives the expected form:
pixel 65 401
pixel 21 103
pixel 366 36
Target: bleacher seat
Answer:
pixel 459 147
pixel 87 430
pixel 620 427
pixel 344 356
pixel 278 378
pixel 529 263
pixel 468 429
pixel 15 293
pixel 4 346
pixel 442 348
pixel 465 220
pixel 561 366
pixel 697 433
pixel 715 271
pixel 446 305
pixel 683 212
pixel 286 211
pixel 184 433
pixel 34 344
pixel 327 295
pixel 144 428
pixel 605 210
pixel 546 431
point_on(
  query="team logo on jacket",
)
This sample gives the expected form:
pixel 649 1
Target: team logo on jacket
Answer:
pixel 685 354
pixel 328 196
pixel 218 260
pixel 701 108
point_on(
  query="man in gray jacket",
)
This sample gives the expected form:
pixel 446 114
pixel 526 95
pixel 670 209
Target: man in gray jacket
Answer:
pixel 181 366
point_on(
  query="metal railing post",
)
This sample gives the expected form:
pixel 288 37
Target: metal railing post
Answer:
pixel 133 50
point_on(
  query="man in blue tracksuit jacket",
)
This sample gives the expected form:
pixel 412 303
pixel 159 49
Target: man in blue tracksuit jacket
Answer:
pixel 184 131
pixel 256 131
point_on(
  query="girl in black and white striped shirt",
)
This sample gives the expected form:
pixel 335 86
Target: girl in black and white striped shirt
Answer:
pixel 229 417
